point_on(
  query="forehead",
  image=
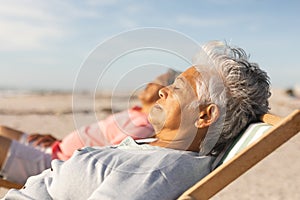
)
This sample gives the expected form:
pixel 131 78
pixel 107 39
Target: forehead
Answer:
pixel 192 76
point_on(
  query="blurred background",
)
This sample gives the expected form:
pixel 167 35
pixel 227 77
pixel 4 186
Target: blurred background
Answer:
pixel 44 43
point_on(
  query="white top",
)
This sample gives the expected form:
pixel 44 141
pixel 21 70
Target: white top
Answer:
pixel 126 171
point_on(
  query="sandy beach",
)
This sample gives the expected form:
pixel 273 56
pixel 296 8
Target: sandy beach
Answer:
pixel 276 177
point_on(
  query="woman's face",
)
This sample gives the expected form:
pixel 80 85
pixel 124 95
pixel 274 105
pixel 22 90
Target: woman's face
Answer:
pixel 173 111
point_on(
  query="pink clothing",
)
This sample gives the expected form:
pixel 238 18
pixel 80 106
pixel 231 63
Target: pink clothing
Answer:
pixel 111 130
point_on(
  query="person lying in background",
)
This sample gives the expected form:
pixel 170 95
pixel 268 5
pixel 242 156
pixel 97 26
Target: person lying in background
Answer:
pixel 24 155
pixel 203 110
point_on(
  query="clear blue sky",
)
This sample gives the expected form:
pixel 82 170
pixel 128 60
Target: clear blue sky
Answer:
pixel 43 43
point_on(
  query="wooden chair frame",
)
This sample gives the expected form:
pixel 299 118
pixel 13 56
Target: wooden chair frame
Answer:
pixel 8 184
pixel 282 131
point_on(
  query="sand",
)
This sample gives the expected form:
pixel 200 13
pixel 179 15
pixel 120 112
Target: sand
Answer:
pixel 276 177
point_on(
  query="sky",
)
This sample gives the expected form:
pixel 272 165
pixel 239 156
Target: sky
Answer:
pixel 44 44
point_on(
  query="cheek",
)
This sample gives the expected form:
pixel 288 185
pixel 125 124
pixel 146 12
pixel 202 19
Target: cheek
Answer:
pixel 174 115
pixel 157 118
pixel 186 113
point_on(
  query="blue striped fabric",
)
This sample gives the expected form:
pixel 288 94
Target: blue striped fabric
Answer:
pixel 252 133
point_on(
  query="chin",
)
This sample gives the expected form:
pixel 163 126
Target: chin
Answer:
pixel 157 118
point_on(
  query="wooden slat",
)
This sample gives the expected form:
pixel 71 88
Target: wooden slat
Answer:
pixel 8 184
pixel 271 119
pixel 229 171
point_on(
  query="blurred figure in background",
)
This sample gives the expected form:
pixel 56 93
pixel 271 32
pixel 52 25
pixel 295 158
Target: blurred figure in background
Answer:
pixel 24 155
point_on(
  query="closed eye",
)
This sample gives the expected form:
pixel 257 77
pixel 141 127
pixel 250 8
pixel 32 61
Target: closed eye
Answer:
pixel 178 83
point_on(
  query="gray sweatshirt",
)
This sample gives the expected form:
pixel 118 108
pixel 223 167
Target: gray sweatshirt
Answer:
pixel 126 171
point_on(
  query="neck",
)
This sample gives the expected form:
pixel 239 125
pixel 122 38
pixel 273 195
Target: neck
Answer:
pixel 166 139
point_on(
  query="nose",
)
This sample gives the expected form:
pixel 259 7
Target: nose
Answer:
pixel 163 93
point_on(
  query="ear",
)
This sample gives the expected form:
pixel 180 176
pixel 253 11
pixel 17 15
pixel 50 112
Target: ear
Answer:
pixel 207 116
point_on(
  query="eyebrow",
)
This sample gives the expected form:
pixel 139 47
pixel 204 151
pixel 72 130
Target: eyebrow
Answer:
pixel 180 79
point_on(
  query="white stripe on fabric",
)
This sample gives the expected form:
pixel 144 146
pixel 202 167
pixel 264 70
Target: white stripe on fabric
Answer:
pixel 252 133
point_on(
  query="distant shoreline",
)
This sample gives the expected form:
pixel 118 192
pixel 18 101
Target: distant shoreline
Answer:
pixel 29 92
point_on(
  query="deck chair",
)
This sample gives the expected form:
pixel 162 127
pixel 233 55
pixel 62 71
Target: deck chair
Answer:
pixel 8 184
pixel 280 132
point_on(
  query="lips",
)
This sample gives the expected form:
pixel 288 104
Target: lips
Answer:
pixel 157 106
pixel 156 111
pixel 157 117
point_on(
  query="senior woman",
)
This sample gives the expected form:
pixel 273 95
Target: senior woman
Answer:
pixel 206 106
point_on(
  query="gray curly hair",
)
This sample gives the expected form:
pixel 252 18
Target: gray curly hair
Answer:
pixel 238 87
